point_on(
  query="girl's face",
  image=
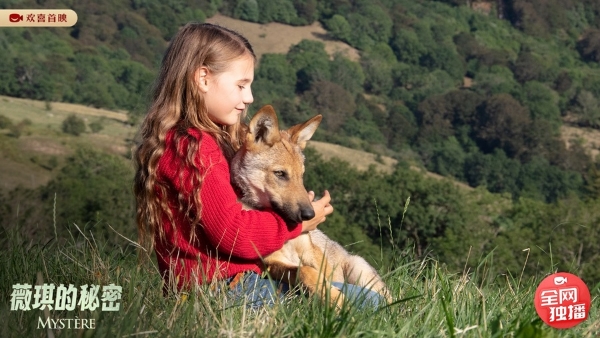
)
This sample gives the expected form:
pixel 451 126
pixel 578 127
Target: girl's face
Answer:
pixel 227 93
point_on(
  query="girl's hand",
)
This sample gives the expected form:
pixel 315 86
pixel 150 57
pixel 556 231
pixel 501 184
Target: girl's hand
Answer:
pixel 322 208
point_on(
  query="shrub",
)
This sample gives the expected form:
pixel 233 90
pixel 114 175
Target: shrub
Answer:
pixel 73 125
pixel 5 122
pixel 96 126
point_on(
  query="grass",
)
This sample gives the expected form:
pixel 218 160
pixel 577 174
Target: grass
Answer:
pixel 430 301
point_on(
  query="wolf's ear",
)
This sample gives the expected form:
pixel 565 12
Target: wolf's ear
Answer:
pixel 301 133
pixel 264 127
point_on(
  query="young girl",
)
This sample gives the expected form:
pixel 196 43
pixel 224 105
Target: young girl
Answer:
pixel 186 207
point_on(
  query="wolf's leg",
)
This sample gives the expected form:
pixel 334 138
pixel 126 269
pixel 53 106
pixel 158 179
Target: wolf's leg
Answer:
pixel 358 272
pixel 310 278
pixel 315 282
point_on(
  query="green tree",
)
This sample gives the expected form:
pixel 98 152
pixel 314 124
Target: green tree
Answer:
pixel 503 123
pixel 496 80
pixel 527 67
pixel 448 159
pixel 542 102
pixel 275 79
pixel 277 10
pixel 247 10
pixel 347 73
pixel 307 11
pixel 311 62
pixel 587 108
pixel 400 126
pixel 339 27
pixel 407 46
pixel 377 63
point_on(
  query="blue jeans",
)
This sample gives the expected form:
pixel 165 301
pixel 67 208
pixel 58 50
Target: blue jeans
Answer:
pixel 258 292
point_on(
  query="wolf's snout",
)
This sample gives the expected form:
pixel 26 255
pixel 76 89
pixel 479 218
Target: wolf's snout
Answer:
pixel 307 213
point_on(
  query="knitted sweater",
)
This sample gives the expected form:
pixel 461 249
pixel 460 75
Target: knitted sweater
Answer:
pixel 228 240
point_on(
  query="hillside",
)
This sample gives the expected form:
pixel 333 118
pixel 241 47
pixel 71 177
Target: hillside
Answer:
pixel 275 37
pixel 35 156
pixel 44 139
pixel 24 159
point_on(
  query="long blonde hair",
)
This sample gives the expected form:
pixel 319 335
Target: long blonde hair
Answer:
pixel 178 104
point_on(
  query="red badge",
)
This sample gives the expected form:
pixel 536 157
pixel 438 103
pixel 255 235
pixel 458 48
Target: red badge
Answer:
pixel 562 300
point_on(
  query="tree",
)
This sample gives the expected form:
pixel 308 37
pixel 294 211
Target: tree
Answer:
pixel 448 159
pixel 435 117
pixel 247 10
pixel 527 67
pixel 311 62
pixel 502 123
pixel 542 102
pixel 277 10
pixel 73 125
pixel 334 102
pixel 339 27
pixel 307 11
pixel 378 75
pixel 275 77
pixel 589 45
pixel 400 127
pixel 348 74
pixel 496 80
pixel 407 46
pixel 587 107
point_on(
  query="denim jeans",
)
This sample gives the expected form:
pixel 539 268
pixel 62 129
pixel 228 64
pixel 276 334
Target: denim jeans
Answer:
pixel 258 292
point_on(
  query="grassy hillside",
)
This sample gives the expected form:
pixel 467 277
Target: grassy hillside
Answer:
pixel 275 37
pixel 32 158
pixel 25 159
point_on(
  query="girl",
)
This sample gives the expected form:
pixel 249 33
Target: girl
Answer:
pixel 187 209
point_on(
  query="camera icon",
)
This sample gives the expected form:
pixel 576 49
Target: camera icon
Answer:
pixel 560 280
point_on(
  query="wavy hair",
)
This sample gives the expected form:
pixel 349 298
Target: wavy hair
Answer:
pixel 178 104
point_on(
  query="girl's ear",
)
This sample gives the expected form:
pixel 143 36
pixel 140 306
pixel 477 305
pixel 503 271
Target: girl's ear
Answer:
pixel 201 77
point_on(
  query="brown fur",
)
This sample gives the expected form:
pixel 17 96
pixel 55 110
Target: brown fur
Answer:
pixel 268 169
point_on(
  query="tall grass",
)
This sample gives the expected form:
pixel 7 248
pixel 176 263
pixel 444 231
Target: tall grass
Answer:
pixel 430 301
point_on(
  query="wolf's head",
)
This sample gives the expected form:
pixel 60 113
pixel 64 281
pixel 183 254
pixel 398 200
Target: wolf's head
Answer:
pixel 268 168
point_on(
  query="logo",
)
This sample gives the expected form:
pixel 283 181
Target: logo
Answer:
pixel 50 297
pixel 562 300
pixel 15 17
pixel 37 18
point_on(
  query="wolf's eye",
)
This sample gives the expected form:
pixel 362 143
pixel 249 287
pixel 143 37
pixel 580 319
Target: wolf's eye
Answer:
pixel 280 174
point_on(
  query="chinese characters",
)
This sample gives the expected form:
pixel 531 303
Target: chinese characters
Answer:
pixel 26 297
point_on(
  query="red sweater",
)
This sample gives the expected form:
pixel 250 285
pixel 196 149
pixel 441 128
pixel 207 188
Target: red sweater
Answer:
pixel 229 240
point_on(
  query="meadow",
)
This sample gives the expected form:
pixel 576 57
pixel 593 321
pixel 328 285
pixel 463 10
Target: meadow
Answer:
pixel 429 301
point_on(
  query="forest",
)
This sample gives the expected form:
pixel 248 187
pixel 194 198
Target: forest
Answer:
pixel 479 97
